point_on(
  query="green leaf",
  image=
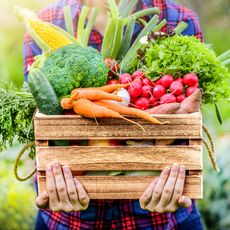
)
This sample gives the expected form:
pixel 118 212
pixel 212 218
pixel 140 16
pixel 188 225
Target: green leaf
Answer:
pixel 218 114
pixel 68 19
pixel 181 27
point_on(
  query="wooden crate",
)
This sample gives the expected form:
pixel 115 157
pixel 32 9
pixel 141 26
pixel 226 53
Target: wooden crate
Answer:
pixel 91 158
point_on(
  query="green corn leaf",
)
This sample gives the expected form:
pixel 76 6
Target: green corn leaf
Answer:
pixel 224 56
pixel 113 8
pixel 122 5
pixel 218 114
pixel 68 19
pixel 142 13
pixel 128 9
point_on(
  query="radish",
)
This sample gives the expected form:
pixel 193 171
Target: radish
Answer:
pixel 157 82
pixel 179 80
pixel 166 81
pixel 147 81
pixel 190 91
pixel 153 101
pixel 142 103
pixel 135 89
pixel 146 91
pixel 190 79
pixel 112 82
pixel 138 74
pixel 168 98
pixel 125 78
pixel 176 88
pixel 159 91
pixel 180 98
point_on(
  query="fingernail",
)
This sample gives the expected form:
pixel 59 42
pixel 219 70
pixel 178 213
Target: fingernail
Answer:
pixel 175 168
pixel 49 168
pixel 66 169
pixel 56 165
pixel 182 199
pixel 44 196
pixel 182 169
pixel 166 170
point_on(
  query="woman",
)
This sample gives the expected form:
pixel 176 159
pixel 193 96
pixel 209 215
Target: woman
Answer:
pixel 162 205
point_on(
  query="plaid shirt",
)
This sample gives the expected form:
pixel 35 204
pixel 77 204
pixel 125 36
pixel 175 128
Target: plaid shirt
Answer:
pixel 117 214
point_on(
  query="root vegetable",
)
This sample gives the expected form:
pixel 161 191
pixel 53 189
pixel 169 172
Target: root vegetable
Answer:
pixel 164 109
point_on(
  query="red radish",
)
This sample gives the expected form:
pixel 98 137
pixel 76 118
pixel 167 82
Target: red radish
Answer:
pixel 180 98
pixel 125 78
pixel 112 64
pixel 190 91
pixel 159 91
pixel 166 81
pixel 157 82
pixel 153 101
pixel 142 103
pixel 179 80
pixel 147 81
pixel 135 89
pixel 138 74
pixel 168 98
pixel 112 82
pixel 190 79
pixel 139 81
pixel 146 91
pixel 132 100
pixel 176 88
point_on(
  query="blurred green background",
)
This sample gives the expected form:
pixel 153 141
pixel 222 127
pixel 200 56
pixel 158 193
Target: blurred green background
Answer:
pixel 17 209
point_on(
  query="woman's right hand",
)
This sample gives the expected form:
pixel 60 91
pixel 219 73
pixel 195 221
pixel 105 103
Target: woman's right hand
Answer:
pixel 63 192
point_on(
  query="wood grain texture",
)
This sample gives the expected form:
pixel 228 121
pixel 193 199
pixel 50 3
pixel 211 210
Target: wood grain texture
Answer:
pixel 86 158
pixel 75 127
pixel 127 187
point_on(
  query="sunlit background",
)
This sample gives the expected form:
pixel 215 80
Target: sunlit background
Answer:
pixel 17 209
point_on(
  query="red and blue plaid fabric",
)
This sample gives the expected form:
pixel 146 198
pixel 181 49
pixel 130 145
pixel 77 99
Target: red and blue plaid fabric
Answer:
pixel 117 214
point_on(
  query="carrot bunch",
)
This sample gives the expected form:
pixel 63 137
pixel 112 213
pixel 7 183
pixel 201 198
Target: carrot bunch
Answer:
pixel 102 103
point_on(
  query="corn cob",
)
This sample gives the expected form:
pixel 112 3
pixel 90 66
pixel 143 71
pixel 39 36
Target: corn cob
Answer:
pixel 45 35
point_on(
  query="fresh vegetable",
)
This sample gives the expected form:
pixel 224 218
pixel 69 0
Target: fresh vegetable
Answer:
pixel 123 93
pixel 159 91
pixel 17 107
pixel 125 78
pixel 43 93
pixel 191 104
pixel 164 109
pixel 135 89
pixel 146 91
pixel 168 98
pixel 73 66
pixel 127 111
pixel 44 34
pixel 180 98
pixel 147 81
pixel 142 103
pixel 189 91
pixel 176 88
pixel 190 79
pixel 112 66
pixel 138 74
pixel 112 82
pixel 167 80
pixel 90 109
pixel 184 54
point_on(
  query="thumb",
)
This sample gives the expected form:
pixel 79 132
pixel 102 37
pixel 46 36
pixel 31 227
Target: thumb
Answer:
pixel 184 202
pixel 42 200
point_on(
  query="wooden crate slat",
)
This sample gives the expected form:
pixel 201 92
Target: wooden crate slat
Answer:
pixel 127 187
pixel 88 158
pixel 117 132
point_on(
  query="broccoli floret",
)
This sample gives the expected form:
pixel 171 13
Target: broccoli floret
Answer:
pixel 73 66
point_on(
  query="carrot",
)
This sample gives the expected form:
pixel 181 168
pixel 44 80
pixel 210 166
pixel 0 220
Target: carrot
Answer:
pixel 89 109
pixel 191 104
pixel 106 88
pixel 66 103
pixel 123 110
pixel 164 109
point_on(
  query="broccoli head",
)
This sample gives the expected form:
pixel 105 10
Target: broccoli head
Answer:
pixel 72 67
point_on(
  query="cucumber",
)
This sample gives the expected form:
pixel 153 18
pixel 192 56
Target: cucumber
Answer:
pixel 45 96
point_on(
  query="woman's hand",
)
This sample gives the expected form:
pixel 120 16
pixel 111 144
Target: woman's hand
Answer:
pixel 164 194
pixel 64 193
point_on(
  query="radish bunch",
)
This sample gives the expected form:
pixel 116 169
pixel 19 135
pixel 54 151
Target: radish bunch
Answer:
pixel 145 94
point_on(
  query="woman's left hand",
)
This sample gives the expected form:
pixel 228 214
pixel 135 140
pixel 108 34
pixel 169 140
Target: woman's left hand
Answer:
pixel 164 194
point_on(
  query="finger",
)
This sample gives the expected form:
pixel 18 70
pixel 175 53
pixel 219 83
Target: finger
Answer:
pixel 179 186
pixel 157 192
pixel 82 195
pixel 147 195
pixel 71 188
pixel 60 184
pixel 169 187
pixel 184 202
pixel 42 201
pixel 51 187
